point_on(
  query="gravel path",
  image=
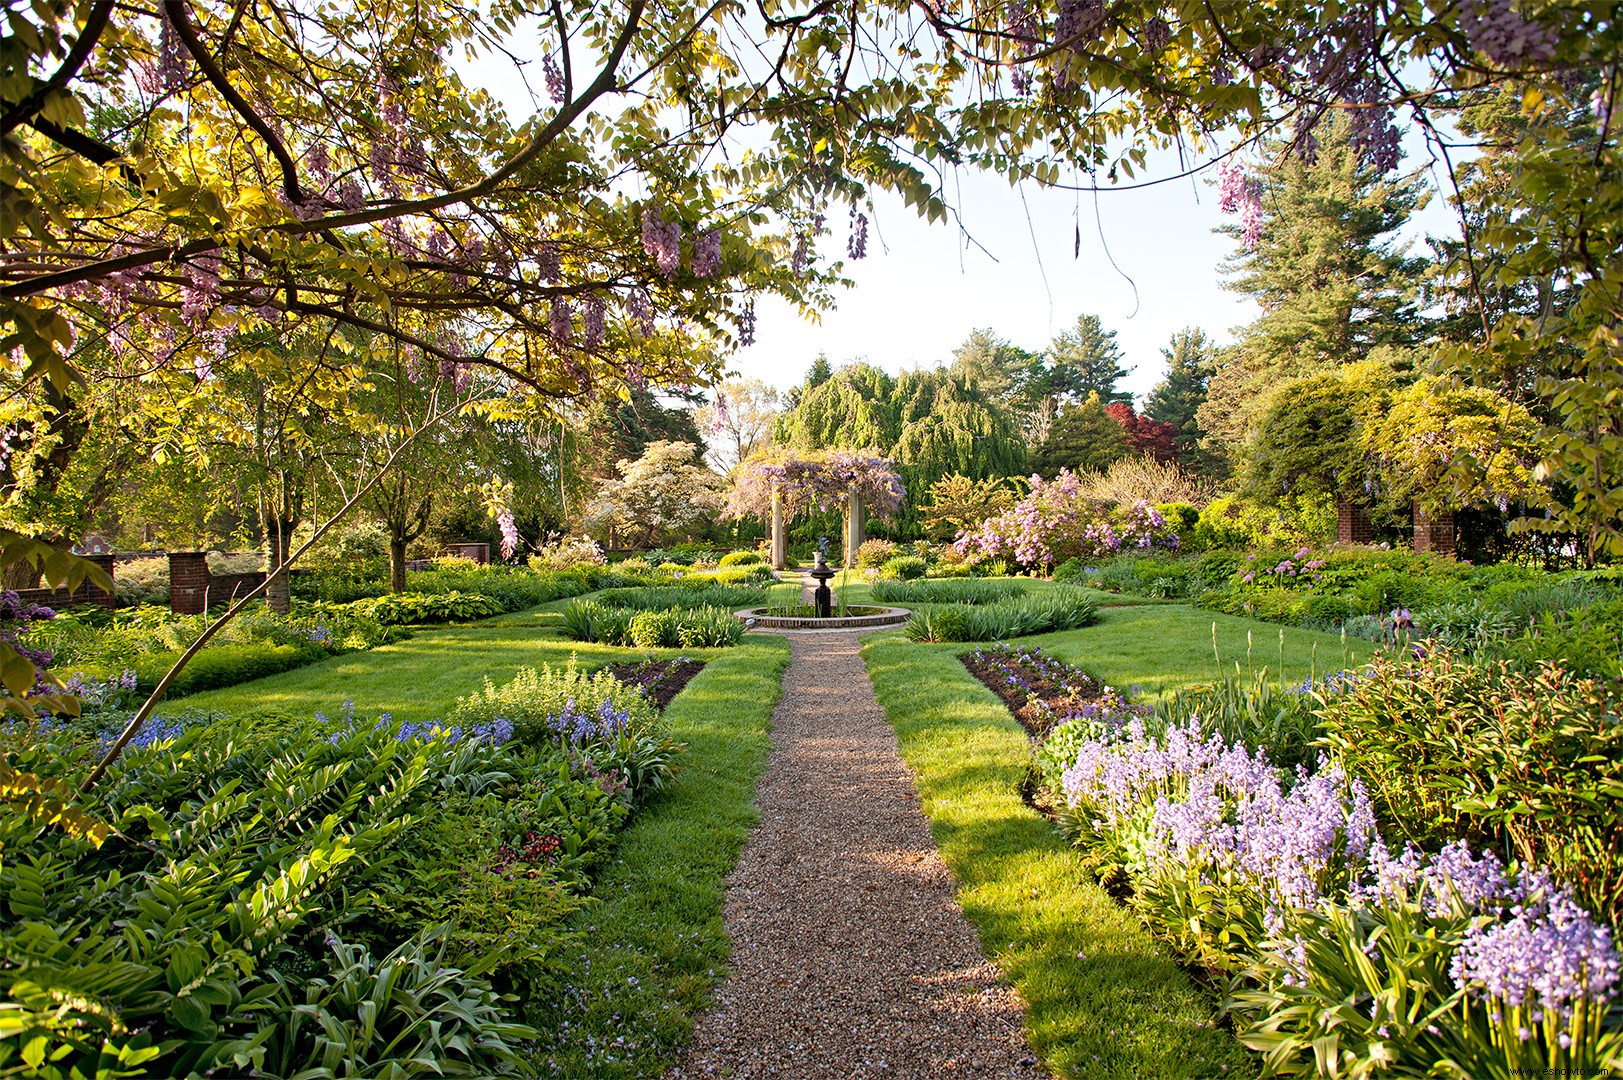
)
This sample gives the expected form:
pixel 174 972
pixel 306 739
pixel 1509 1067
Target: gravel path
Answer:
pixel 850 955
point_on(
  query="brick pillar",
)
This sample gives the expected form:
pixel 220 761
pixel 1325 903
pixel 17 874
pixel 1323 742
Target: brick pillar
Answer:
pixel 1434 533
pixel 189 581
pixel 94 594
pixel 1352 523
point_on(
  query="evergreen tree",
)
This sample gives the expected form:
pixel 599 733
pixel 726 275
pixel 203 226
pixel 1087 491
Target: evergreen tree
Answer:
pixel 1177 398
pixel 1083 436
pixel 816 375
pixel 1084 361
pixel 1331 282
pixel 616 429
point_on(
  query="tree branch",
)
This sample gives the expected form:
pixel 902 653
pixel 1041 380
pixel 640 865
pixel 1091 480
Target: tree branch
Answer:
pixel 100 14
pixel 181 20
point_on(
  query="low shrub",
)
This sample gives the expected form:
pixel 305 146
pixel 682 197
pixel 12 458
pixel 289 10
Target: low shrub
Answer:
pixel 690 594
pixel 695 627
pixel 222 665
pixel 1529 762
pixel 1040 613
pixel 141 581
pixel 740 558
pixel 905 567
pixel 567 554
pixel 874 553
pixel 397 609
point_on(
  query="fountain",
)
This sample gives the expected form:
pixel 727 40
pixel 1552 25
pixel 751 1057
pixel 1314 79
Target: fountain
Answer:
pixel 822 616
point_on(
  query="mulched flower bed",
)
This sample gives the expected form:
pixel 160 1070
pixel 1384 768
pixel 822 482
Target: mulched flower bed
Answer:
pixel 659 680
pixel 1038 689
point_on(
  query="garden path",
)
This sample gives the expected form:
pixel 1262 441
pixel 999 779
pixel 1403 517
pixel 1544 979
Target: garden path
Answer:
pixel 851 956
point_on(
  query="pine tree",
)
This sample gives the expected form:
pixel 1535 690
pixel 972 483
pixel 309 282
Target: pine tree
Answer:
pixel 1011 378
pixel 1085 361
pixel 1177 398
pixel 1084 436
pixel 1331 282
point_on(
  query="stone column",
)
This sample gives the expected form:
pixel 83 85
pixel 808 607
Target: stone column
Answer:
pixel 189 580
pixel 1352 523
pixel 853 528
pixel 780 547
pixel 1434 533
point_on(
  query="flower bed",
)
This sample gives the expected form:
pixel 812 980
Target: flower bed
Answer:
pixel 404 882
pixel 1039 689
pixel 658 680
pixel 1342 952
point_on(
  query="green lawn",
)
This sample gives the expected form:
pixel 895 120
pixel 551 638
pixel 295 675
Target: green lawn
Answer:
pixel 1167 646
pixel 416 679
pixel 1103 999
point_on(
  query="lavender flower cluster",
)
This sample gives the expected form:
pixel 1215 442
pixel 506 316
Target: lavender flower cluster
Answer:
pixel 579 726
pixel 496 731
pixel 1295 568
pixel 1187 803
pixel 17 617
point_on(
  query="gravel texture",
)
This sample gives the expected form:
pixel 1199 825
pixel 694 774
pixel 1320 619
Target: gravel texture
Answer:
pixel 850 955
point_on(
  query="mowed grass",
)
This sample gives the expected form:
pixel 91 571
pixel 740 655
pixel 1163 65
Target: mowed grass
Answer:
pixel 654 947
pixel 1102 998
pixel 419 678
pixel 1166 647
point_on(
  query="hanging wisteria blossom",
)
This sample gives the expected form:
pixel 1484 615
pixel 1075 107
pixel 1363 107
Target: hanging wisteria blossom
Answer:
pixel 593 316
pixel 819 478
pixel 746 323
pixel 707 253
pixel 662 240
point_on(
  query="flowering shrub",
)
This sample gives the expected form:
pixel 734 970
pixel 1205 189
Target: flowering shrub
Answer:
pixel 568 553
pixel 874 553
pixel 1346 954
pixel 1531 761
pixel 1057 520
pixel 740 558
pixel 1297 569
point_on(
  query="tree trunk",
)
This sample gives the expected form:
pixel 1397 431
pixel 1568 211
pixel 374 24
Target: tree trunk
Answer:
pixel 397 564
pixel 278 539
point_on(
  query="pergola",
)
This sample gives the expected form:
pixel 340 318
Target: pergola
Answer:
pixel 779 484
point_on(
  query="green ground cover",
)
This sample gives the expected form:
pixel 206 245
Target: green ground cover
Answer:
pixel 651 943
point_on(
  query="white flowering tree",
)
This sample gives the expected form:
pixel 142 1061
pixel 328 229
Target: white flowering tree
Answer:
pixel 666 492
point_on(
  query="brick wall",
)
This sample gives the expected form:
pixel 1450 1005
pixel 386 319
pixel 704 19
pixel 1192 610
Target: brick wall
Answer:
pixel 479 553
pixel 1353 524
pixel 193 588
pixel 1434 533
pixel 86 593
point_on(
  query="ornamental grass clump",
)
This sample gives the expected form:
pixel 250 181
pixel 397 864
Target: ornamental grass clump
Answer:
pixel 1344 958
pixel 705 627
pixel 946 591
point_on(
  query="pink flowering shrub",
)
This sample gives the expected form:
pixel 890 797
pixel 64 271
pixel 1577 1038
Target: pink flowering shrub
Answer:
pixel 1057 520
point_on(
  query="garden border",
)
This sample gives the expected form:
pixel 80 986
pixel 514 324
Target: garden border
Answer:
pixel 756 620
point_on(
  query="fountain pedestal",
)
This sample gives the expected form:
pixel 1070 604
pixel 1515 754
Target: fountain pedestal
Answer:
pixel 822 599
